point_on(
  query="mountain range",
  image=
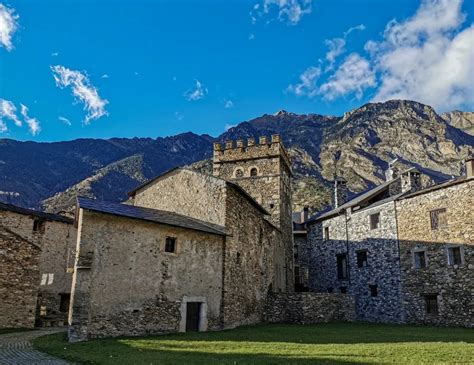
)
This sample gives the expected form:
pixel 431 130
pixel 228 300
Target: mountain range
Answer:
pixel 356 146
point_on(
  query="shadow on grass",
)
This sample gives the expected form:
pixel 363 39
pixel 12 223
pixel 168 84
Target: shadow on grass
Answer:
pixel 4 331
pixel 333 333
pixel 269 344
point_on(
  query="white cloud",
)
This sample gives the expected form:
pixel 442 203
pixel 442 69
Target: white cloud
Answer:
pixel 229 126
pixel 427 57
pixel 354 75
pixel 8 26
pixel 251 37
pixel 55 54
pixel 289 11
pixel 65 120
pixel 104 76
pixel 197 93
pixel 359 27
pixel 32 123
pixel 228 104
pixel 82 89
pixel 3 126
pixel 336 48
pixel 308 82
pixel 8 111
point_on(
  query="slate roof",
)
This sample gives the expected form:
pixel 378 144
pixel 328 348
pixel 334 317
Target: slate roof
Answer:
pixel 150 215
pixel 231 184
pixel 35 213
pixel 360 199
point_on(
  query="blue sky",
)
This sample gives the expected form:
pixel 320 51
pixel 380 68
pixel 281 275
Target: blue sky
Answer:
pixel 77 69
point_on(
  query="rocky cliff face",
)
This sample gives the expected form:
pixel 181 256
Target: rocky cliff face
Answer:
pixel 461 120
pixel 356 146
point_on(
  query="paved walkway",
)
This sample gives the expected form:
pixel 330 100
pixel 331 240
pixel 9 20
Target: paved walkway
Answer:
pixel 16 349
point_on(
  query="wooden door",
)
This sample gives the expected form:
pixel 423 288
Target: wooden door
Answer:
pixel 193 310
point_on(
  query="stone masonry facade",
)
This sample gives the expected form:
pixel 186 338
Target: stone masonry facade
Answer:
pixel 37 253
pixel 446 277
pixel 404 253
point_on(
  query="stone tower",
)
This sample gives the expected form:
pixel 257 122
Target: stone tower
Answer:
pixel 263 169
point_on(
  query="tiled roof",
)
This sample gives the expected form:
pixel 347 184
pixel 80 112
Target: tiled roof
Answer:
pixel 150 215
pixel 35 213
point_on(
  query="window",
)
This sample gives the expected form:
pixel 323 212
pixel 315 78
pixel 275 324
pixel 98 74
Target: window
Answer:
pixel 373 290
pixel 431 304
pixel 330 290
pixel 170 244
pixel 326 233
pixel 297 275
pixel 342 266
pixel 239 173
pixel 296 251
pixel 64 302
pixel 253 171
pixel 454 255
pixel 375 221
pixel 362 258
pixel 343 289
pixel 438 218
pixel 39 225
pixel 419 258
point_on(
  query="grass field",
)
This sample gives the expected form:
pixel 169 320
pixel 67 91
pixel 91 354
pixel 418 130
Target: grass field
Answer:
pixel 278 344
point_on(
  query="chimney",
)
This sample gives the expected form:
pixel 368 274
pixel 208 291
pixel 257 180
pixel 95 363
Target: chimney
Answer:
pixel 410 181
pixel 469 167
pixel 340 193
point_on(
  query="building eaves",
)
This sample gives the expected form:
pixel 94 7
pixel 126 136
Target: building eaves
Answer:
pixel 446 184
pixel 150 215
pixel 35 213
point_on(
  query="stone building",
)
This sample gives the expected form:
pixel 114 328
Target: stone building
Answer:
pixel 186 251
pixel 264 171
pixel 301 250
pixel 36 258
pixel 376 247
pixel 436 237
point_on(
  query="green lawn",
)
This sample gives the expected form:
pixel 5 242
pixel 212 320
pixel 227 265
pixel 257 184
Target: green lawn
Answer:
pixel 278 344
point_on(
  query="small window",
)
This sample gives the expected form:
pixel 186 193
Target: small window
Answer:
pixel 375 221
pixel 253 171
pixel 296 251
pixel 326 233
pixel 342 266
pixel 343 289
pixel 419 258
pixel 438 218
pixel 454 255
pixel 297 276
pixel 239 173
pixel 39 225
pixel 170 244
pixel 431 304
pixel 362 258
pixel 64 302
pixel 330 290
pixel 374 291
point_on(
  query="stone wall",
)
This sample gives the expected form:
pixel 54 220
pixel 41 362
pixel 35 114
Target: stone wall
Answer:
pixel 188 193
pixel 453 285
pixel 56 240
pixel 309 308
pixel 253 263
pixel 125 284
pixel 19 280
pixel 349 235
